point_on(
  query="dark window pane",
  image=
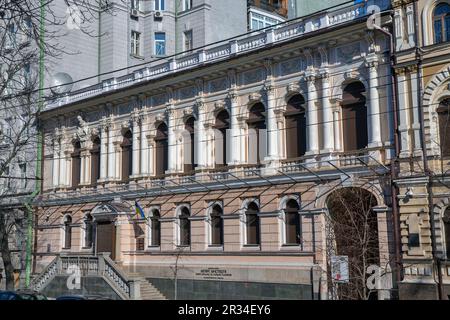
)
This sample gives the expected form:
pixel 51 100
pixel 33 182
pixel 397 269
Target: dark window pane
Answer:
pixel 438 31
pixel 216 226
pixel 354 117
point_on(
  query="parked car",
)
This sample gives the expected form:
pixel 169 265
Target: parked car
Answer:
pixel 83 297
pixel 9 295
pixel 31 295
pixel 22 295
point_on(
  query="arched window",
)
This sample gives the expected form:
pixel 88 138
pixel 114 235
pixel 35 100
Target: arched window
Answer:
pixel 216 226
pixel 162 150
pixel 185 227
pixel 354 114
pixel 88 231
pixel 76 164
pixel 222 125
pixel 189 159
pixel 444 126
pixel 252 224
pixel 292 221
pixel 256 124
pixel 67 232
pixel 446 221
pixel 295 127
pixel 127 155
pixel 155 228
pixel 441 23
pixel 95 161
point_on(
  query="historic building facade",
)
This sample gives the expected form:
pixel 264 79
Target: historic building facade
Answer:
pixel 234 154
pixel 422 32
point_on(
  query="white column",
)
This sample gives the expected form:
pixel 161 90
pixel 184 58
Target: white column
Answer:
pixel 63 165
pixel 200 136
pixel 312 118
pixel 172 154
pixel 337 134
pixel 271 120
pixel 82 167
pixel 118 161
pixel 327 114
pixel 136 145
pixel 56 160
pixel 374 121
pixel 415 112
pixel 403 104
pixel 111 155
pixel 144 151
pixel 151 156
pixel 235 157
pixel 104 153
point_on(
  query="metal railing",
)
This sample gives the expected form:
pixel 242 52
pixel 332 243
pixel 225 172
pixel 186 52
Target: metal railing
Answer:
pixel 100 265
pixel 212 54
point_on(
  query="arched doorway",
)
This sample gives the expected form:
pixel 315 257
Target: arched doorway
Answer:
pixel 189 157
pixel 76 164
pixel 295 127
pixel 354 117
pixel 162 150
pixel 444 126
pixel 95 161
pixel 222 125
pixel 257 125
pixel 352 231
pixel 127 155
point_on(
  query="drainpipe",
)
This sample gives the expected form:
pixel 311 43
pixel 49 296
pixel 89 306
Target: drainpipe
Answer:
pixel 426 167
pixel 394 161
pixel 38 180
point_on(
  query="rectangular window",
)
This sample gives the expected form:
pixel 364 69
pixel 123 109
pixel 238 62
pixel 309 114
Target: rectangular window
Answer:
pixel 135 43
pixel 135 4
pixel 187 5
pixel 188 43
pixel 160 44
pixel 160 5
pixel 259 21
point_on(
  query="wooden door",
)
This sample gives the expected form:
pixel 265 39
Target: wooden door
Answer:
pixel 106 238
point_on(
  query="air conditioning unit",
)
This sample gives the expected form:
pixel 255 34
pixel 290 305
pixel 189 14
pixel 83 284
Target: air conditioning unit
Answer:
pixel 158 14
pixel 134 12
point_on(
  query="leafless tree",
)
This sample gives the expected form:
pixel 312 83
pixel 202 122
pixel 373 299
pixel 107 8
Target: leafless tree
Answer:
pixel 22 67
pixel 352 231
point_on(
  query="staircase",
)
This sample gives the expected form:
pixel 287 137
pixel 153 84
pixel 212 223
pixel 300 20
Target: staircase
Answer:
pixel 148 291
pixel 128 286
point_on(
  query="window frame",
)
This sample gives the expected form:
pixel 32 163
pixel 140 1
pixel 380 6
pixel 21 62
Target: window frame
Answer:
pixel 160 5
pixel 158 43
pixel 191 42
pixel 135 43
pixel 443 19
pixel 150 227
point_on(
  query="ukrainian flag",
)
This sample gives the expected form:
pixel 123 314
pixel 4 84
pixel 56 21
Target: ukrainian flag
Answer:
pixel 139 210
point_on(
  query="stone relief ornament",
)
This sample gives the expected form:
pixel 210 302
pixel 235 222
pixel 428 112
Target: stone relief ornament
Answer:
pixel 83 129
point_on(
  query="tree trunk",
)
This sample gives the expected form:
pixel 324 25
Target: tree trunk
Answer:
pixel 6 254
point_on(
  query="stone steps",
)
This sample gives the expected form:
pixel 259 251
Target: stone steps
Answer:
pixel 148 290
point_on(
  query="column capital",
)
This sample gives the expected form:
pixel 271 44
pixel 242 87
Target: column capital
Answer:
pixel 324 73
pixel 310 75
pixel 269 88
pixel 232 96
pixel 371 61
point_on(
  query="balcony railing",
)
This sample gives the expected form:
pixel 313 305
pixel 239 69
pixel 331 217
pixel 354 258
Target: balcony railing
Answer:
pixel 372 159
pixel 208 55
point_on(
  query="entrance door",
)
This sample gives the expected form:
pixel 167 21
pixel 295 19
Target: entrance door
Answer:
pixel 106 238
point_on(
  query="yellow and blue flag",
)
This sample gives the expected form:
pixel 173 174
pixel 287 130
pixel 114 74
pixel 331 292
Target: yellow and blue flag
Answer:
pixel 139 210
